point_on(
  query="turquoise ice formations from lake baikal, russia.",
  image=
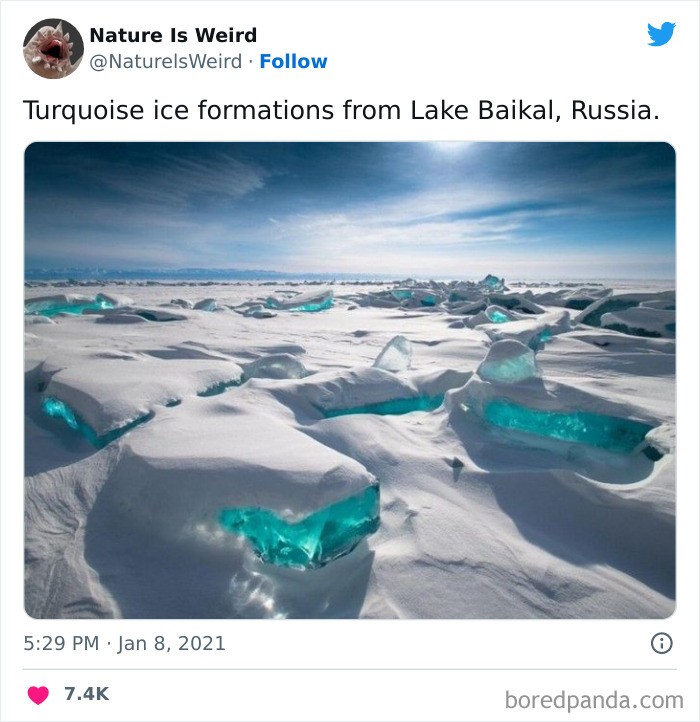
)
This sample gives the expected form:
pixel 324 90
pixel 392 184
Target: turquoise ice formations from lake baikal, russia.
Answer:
pixel 262 429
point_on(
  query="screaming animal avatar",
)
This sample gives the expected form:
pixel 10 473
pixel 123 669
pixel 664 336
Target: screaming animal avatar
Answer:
pixel 48 52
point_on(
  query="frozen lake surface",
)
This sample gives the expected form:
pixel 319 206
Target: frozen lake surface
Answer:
pixel 391 450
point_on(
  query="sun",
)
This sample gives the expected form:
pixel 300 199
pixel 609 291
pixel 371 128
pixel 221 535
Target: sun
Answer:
pixel 450 147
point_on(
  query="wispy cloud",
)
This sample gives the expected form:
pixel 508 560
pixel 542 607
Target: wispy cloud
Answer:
pixel 412 208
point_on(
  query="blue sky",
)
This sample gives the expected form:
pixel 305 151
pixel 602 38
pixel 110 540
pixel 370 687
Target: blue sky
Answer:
pixel 442 210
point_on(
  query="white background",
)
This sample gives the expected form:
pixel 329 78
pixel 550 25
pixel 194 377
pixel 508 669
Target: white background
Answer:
pixel 379 52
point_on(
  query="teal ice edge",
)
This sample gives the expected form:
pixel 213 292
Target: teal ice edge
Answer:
pixel 390 407
pixel 220 387
pixel 58 409
pixel 312 542
pixel 307 307
pixel 48 310
pixel 605 432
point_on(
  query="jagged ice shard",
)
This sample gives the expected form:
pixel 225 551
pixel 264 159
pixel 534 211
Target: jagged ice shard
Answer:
pixel 508 362
pixel 315 540
pixel 497 315
pixel 395 356
pixel 492 282
pixel 401 294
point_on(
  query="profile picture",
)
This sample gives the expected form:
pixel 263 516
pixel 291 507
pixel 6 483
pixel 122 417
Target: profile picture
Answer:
pixel 53 48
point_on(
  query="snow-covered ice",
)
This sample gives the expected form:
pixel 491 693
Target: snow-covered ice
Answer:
pixel 411 449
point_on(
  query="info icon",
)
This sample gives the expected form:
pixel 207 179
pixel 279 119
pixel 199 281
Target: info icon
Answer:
pixel 53 48
pixel 661 643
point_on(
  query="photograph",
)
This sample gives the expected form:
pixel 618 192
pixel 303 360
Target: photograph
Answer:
pixel 349 380
pixel 53 49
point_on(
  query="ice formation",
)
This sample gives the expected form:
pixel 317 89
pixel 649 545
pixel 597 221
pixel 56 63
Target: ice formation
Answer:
pixel 159 315
pixel 257 310
pixel 507 392
pixel 410 294
pixel 369 390
pixel 492 283
pixel 605 432
pixel 491 314
pixel 554 478
pixel 58 409
pixel 515 302
pixel 207 304
pixel 458 306
pixel 630 313
pixel 182 472
pixel 276 366
pixel 646 321
pixel 115 299
pixel 533 331
pixel 109 393
pixel 309 301
pixel 401 294
pixel 460 297
pixel 182 303
pixel 313 541
pixel 395 356
pixel 668 304
pixel 498 315
pixel 426 298
pixel 66 303
pixel 576 299
pixel 508 362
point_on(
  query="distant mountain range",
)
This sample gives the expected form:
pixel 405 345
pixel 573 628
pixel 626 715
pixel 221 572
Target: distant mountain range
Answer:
pixel 186 274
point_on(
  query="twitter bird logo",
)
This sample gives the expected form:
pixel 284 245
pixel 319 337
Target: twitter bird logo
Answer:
pixel 660 36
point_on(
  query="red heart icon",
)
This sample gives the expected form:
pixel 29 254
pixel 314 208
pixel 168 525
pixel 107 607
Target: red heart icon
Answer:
pixel 38 694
